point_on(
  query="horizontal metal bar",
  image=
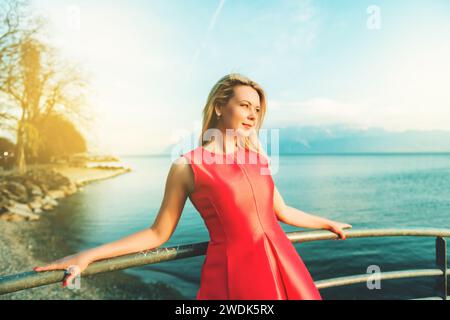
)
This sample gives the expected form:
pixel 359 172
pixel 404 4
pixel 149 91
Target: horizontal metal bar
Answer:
pixel 307 236
pixel 31 279
pixel 343 281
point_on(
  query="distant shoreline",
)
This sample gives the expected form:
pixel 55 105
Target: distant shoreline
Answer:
pixel 314 154
pixel 81 176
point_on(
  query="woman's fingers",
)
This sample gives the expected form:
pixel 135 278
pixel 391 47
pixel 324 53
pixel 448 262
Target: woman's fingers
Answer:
pixel 345 225
pixel 71 272
pixel 342 234
pixel 339 233
pixel 337 229
pixel 51 266
pixel 46 268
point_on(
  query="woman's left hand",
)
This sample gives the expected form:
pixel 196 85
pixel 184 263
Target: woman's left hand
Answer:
pixel 336 227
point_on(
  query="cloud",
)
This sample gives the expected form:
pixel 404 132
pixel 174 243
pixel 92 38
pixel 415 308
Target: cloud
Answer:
pixel 211 25
pixel 215 16
pixel 293 33
pixel 321 111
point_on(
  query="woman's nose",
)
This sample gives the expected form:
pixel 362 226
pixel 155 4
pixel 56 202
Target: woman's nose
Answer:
pixel 252 114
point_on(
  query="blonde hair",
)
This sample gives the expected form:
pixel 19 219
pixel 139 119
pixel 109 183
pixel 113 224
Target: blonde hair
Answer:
pixel 220 94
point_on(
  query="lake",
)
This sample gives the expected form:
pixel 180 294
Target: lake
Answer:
pixel 365 190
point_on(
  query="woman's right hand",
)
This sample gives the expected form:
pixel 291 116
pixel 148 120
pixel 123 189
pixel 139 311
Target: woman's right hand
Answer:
pixel 76 264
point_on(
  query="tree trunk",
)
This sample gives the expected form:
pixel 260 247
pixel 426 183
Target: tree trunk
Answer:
pixel 20 151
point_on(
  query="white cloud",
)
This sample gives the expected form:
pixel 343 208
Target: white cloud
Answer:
pixel 408 90
pixel 290 33
pixel 211 25
pixel 362 114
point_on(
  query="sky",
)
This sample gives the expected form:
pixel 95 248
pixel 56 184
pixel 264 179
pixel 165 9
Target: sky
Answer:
pixel 152 63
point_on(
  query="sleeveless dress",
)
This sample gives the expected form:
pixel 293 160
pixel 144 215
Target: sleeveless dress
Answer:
pixel 249 256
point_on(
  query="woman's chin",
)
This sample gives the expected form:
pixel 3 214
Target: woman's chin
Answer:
pixel 246 132
pixel 243 132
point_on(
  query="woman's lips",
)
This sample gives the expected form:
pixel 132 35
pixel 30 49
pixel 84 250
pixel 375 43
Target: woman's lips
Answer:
pixel 247 126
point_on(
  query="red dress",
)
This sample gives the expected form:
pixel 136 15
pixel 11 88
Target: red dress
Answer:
pixel 248 256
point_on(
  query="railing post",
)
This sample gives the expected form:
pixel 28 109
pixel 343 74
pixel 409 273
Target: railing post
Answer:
pixel 441 263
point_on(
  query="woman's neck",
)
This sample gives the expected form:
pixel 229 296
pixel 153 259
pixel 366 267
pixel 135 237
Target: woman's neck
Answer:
pixel 227 144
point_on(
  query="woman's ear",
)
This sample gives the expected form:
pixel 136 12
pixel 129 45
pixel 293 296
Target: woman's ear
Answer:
pixel 218 110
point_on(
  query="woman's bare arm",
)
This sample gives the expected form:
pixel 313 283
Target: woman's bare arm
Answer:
pixel 175 194
pixel 179 183
pixel 298 218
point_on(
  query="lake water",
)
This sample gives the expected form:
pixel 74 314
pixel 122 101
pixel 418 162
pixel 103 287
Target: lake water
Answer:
pixel 365 190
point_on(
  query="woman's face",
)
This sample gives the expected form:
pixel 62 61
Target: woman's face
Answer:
pixel 242 111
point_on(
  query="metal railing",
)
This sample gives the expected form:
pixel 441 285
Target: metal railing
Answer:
pixel 31 279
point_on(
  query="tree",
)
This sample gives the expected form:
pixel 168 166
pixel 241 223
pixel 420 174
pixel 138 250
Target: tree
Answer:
pixel 58 137
pixel 6 145
pixel 11 30
pixel 36 83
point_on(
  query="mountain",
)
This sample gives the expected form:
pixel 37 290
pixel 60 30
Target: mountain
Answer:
pixel 345 139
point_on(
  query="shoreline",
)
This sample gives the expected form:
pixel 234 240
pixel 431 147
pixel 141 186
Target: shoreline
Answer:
pixel 25 244
pixel 82 176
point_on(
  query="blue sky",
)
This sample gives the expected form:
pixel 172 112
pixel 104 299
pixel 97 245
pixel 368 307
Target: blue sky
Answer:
pixel 152 63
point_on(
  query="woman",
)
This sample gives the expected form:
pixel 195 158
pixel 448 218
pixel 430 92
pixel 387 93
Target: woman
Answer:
pixel 229 182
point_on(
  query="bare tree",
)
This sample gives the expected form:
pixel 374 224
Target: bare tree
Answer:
pixel 36 83
pixel 15 24
pixel 10 30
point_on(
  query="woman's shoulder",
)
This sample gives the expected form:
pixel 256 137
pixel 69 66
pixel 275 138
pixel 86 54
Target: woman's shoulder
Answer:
pixel 181 171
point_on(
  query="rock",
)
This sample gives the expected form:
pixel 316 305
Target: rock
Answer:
pixel 33 189
pixel 47 179
pixel 56 194
pixel 11 195
pixel 21 210
pixel 3 201
pixel 37 211
pixel 8 216
pixel 70 189
pixel 48 203
pixel 14 190
pixel 36 203
pixel 47 207
pixel 44 188
pixel 24 197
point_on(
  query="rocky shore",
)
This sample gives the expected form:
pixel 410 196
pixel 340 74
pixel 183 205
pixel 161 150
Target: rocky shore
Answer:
pixel 26 197
pixel 28 239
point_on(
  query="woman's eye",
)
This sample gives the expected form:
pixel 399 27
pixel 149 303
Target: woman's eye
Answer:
pixel 246 105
